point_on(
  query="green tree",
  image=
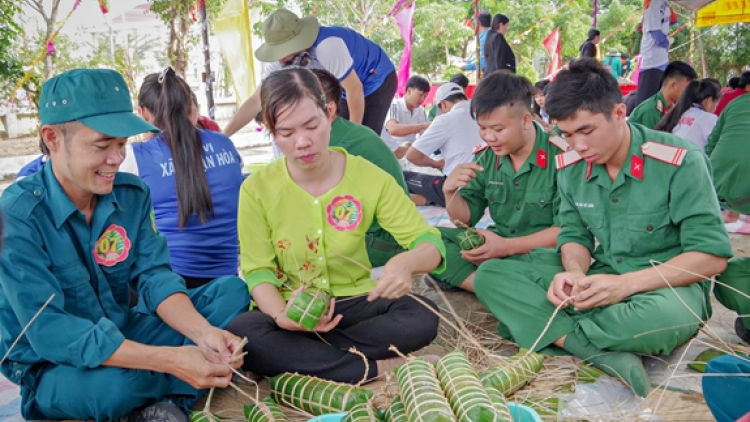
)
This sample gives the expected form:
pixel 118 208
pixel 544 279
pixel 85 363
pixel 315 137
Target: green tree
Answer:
pixel 176 14
pixel 10 67
pixel 50 19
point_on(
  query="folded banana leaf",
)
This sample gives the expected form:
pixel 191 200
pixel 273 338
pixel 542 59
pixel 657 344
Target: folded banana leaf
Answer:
pixel 468 397
pixel 702 359
pixel 201 416
pixel 396 413
pixel 316 396
pixel 421 393
pixel 470 239
pixel 499 404
pixel 308 307
pixel 265 411
pixel 513 374
pixel 589 374
pixel 363 412
pixel 543 406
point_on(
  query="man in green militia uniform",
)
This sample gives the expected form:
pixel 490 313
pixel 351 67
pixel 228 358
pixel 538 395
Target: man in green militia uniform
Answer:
pixel 727 149
pixel 677 76
pixel 644 195
pixel 516 178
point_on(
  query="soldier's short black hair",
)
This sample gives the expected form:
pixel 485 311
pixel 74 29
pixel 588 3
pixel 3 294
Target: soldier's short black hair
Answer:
pixel 500 89
pixel 584 85
pixel 678 69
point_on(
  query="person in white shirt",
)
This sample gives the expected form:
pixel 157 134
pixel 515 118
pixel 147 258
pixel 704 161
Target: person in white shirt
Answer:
pixel 692 117
pixel 407 117
pixel 654 48
pixel 455 133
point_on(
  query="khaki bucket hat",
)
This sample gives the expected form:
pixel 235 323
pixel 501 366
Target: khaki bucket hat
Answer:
pixel 285 34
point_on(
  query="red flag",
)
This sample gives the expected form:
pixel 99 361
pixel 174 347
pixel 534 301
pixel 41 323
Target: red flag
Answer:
pixel 553 45
pixel 104 6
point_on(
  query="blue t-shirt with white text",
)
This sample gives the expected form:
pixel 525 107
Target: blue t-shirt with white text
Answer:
pixel 198 250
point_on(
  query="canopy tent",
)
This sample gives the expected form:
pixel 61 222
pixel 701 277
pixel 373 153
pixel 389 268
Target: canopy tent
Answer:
pixel 694 4
pixel 724 12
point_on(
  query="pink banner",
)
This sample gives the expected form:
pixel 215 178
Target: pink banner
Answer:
pixel 405 25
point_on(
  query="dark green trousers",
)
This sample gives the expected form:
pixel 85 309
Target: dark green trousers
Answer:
pixel 515 291
pixel 736 276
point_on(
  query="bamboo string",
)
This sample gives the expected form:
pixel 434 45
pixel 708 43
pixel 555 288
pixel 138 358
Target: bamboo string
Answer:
pixel 26 327
pixel 367 364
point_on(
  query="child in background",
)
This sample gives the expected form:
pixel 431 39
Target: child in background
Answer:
pixel 540 115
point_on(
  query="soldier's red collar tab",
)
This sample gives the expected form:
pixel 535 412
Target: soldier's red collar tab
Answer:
pixel 670 154
pixel 479 148
pixel 541 158
pixel 662 106
pixel 636 166
pixel 567 159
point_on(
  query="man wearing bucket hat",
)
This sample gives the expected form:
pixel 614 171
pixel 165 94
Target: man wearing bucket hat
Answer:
pixel 614 62
pixel 455 133
pixel 363 68
pixel 88 292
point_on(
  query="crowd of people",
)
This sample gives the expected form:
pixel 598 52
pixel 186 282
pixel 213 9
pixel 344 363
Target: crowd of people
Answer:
pixel 120 259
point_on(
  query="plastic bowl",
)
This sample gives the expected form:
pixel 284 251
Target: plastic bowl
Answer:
pixel 519 412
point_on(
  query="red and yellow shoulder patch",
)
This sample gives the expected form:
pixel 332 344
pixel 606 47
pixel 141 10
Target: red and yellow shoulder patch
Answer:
pixel 669 154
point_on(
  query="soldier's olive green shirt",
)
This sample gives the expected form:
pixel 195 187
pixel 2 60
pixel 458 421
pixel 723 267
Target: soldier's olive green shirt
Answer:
pixel 728 147
pixel 671 210
pixel 523 202
pixel 650 112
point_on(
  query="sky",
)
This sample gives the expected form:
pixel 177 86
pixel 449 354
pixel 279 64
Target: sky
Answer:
pixel 86 15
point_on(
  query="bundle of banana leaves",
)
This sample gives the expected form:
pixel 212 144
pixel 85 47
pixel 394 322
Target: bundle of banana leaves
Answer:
pixel 468 397
pixel 308 307
pixel 421 393
pixel 514 373
pixel 316 396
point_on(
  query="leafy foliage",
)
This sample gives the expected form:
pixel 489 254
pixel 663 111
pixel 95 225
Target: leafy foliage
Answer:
pixel 177 15
pixel 10 31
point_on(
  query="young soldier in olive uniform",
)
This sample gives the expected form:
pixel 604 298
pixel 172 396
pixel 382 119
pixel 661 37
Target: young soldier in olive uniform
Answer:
pixel 727 149
pixel 676 77
pixel 644 195
pixel 514 176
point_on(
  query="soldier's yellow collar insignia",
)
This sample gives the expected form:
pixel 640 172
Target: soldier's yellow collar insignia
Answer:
pixel 670 154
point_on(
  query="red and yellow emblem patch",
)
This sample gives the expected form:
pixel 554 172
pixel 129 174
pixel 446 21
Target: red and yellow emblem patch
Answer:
pixel 112 247
pixel 344 213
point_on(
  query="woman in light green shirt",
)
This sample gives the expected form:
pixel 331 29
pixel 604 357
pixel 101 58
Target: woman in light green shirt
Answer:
pixel 302 221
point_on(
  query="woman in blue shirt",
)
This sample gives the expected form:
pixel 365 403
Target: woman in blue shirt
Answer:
pixel 194 176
